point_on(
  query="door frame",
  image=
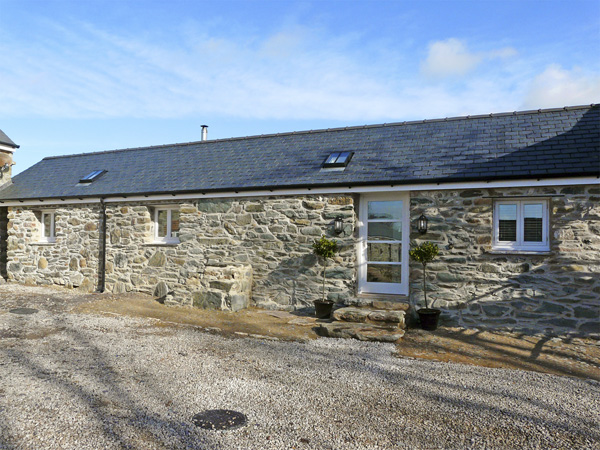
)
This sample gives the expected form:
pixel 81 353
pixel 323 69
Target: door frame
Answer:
pixel 365 287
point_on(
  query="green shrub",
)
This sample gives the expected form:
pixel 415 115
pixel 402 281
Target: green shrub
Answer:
pixel 325 249
pixel 424 253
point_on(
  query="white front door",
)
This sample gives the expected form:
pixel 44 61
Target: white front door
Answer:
pixel 383 244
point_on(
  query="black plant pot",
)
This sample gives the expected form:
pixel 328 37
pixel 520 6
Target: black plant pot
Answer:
pixel 323 309
pixel 429 318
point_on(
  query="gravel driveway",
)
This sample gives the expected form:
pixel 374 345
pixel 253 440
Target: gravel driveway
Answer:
pixel 73 381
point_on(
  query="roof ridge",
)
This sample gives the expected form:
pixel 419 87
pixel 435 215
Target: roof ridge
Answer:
pixel 326 130
pixel 5 140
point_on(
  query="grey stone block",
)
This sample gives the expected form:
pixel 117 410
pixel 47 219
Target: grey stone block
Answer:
pixel 350 314
pixel 494 310
pixel 548 307
pixel 587 313
pixel 208 299
pixel 157 260
pixel 362 332
pixel 214 206
pixel 222 285
pixel 87 286
pixel 161 290
pixel 238 302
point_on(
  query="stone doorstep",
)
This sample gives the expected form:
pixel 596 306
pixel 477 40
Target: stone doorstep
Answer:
pixel 360 331
pixel 390 306
pixel 374 303
pixel 373 316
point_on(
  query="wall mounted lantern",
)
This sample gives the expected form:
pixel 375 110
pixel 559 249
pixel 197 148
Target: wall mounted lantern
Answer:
pixel 338 225
pixel 422 224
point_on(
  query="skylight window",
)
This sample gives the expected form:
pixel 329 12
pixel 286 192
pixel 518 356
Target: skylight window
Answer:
pixel 338 159
pixel 92 176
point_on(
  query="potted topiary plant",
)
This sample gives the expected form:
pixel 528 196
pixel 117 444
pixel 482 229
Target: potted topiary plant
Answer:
pixel 425 253
pixel 324 249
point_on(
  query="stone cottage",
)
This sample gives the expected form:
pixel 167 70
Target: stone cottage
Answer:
pixel 512 200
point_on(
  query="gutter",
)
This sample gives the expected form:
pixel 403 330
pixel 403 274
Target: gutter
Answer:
pixel 326 188
pixel 102 255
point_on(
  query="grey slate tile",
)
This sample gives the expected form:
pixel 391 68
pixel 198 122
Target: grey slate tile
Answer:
pixel 562 142
pixel 4 139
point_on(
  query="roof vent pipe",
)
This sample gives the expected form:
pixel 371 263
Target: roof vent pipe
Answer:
pixel 204 132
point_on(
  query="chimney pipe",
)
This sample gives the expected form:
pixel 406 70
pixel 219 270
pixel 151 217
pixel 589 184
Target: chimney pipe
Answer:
pixel 204 132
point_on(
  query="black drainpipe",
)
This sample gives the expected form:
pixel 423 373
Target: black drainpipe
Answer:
pixel 102 262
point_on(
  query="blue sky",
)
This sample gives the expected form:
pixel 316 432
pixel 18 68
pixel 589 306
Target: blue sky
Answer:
pixel 79 76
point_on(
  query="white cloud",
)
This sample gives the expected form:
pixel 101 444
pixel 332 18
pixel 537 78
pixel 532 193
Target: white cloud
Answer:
pixel 452 58
pixel 292 73
pixel 448 58
pixel 556 87
pixel 506 52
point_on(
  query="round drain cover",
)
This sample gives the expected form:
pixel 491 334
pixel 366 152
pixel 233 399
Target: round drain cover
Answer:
pixel 219 419
pixel 23 311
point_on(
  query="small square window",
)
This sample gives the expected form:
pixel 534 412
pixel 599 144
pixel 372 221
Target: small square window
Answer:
pixel 338 159
pixel 48 232
pixel 92 176
pixel 521 225
pixel 166 225
pixel 332 159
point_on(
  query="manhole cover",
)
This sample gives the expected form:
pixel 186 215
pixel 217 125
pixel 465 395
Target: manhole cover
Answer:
pixel 23 311
pixel 219 419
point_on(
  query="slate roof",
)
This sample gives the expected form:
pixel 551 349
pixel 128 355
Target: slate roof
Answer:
pixel 4 139
pixel 529 144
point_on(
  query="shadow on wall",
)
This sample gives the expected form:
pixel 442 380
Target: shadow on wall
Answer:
pixel 581 142
pixel 296 282
pixel 541 298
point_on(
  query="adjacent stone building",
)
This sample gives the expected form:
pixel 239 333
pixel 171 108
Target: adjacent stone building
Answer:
pixel 512 200
pixel 7 148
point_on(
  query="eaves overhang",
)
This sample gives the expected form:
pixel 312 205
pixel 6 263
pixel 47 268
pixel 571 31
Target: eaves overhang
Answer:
pixel 322 188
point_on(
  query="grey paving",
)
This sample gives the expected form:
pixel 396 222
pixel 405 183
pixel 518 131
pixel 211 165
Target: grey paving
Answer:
pixel 540 144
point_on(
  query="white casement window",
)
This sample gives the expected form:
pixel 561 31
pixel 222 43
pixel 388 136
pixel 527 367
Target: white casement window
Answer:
pixel 166 225
pixel 521 225
pixel 48 232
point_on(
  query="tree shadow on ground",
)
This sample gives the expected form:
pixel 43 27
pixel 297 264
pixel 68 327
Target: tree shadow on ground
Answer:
pixel 105 395
pixel 514 407
pixel 429 384
pixel 504 350
pixel 296 368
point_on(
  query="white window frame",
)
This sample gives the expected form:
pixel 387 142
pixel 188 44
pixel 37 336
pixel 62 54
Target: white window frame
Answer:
pixel 365 287
pixel 520 244
pixel 52 237
pixel 168 239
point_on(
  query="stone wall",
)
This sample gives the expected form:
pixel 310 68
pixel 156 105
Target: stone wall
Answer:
pixel 555 292
pixel 71 261
pixel 5 174
pixel 272 235
pixel 220 240
pixel 230 288
pixel 260 249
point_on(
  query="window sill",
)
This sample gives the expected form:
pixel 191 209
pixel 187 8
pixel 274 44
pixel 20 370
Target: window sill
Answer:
pixel 387 297
pixel 49 243
pixel 520 252
pixel 161 244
